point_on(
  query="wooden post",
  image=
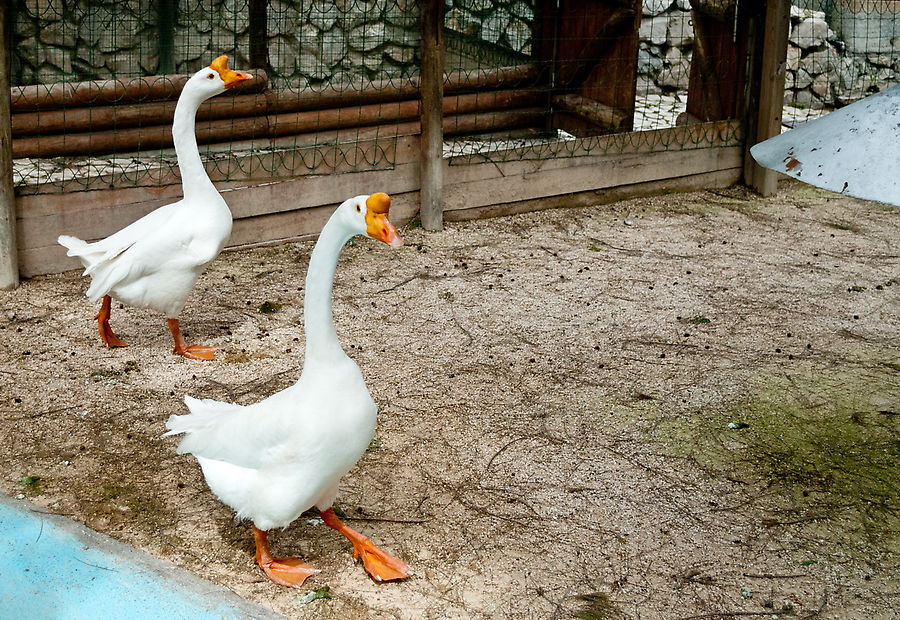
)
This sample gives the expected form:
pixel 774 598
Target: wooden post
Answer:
pixel 166 16
pixel 718 75
pixel 9 260
pixel 431 88
pixel 259 47
pixel 765 118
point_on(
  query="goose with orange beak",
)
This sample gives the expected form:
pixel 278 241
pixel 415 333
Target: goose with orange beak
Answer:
pixel 155 261
pixel 273 460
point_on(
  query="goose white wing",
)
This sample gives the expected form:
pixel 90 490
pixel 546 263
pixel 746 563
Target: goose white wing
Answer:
pixel 254 436
pixel 169 240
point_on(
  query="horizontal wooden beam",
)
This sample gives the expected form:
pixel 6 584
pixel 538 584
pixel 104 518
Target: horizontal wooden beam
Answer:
pixel 110 92
pixel 225 130
pixel 595 197
pixel 75 120
pixel 591 110
pixel 514 183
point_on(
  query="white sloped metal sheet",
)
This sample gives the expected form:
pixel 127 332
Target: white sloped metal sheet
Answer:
pixel 853 151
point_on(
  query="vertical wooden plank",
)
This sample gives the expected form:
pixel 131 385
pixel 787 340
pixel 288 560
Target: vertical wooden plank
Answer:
pixel 431 210
pixel 258 30
pixel 545 41
pixel 595 57
pixel 614 80
pixel 768 76
pixel 9 266
pixel 718 69
pixel 166 15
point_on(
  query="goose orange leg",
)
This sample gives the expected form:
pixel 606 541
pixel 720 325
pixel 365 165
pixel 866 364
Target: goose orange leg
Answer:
pixel 380 565
pixel 106 333
pixel 194 351
pixel 290 572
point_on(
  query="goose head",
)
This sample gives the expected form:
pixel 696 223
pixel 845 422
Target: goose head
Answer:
pixel 368 216
pixel 215 79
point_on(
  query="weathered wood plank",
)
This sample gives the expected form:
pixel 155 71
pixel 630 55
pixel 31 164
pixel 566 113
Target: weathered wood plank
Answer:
pixel 431 71
pixel 101 217
pixel 767 91
pixel 718 70
pixel 617 170
pixel 9 272
pixel 599 150
pixel 294 207
pixel 305 222
pixel 691 183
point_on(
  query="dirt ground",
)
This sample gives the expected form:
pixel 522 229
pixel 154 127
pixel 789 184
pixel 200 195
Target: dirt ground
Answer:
pixel 676 407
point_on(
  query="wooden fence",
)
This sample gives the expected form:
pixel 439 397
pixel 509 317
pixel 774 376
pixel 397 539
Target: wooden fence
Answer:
pixel 582 81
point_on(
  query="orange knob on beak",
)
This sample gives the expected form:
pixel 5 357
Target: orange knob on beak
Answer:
pixel 220 65
pixel 377 224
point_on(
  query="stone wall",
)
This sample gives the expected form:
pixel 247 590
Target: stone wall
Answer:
pixel 823 70
pixel 507 23
pixel 832 59
pixel 308 41
pixel 664 56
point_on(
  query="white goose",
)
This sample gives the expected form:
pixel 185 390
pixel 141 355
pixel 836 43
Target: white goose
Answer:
pixel 155 261
pixel 273 460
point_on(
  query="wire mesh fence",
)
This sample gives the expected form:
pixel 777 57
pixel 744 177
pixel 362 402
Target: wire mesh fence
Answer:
pixel 839 51
pixel 95 88
pixel 337 86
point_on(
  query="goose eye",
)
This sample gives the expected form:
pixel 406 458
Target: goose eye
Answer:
pixel 210 76
pixel 358 209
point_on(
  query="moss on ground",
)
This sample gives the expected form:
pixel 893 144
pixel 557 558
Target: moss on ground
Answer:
pixel 824 449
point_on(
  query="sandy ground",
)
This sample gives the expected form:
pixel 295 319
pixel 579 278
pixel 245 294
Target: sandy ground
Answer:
pixel 554 390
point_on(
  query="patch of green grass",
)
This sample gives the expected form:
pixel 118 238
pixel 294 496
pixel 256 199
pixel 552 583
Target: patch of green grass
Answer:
pixel 856 289
pixel 698 320
pixel 822 449
pixel 269 307
pixel 33 484
pixel 324 593
pixel 128 495
pixel 598 606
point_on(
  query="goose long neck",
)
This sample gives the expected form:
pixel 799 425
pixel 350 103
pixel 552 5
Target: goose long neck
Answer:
pixel 193 175
pixel 321 339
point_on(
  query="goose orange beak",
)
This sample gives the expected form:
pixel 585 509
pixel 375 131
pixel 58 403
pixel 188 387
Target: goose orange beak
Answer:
pixel 377 224
pixel 230 77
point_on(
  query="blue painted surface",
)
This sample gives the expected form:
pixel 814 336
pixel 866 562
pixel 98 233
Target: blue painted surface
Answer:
pixel 55 568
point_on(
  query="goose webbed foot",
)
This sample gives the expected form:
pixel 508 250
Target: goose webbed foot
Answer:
pixel 290 572
pixel 106 333
pixel 380 565
pixel 192 351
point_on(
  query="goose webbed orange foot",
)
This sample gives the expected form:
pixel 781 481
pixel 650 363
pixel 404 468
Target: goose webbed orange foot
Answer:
pixel 107 335
pixel 290 572
pixel 380 565
pixel 190 351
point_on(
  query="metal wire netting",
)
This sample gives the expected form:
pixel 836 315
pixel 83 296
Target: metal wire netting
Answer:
pixel 839 51
pixel 580 72
pixel 337 86
pixel 95 88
